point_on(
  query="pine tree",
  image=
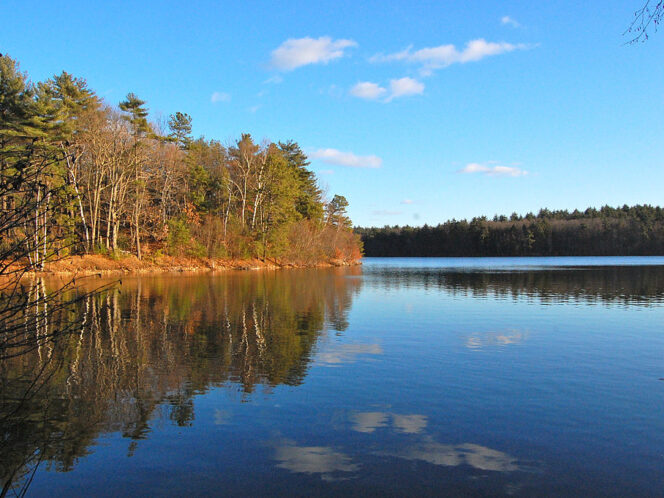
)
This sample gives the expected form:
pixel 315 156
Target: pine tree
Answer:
pixel 309 200
pixel 27 157
pixel 137 117
pixel 180 126
pixel 137 113
pixel 336 212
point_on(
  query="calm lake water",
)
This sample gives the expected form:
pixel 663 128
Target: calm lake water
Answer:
pixel 511 376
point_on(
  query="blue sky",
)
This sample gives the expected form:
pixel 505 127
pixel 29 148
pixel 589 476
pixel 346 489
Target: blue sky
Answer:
pixel 416 113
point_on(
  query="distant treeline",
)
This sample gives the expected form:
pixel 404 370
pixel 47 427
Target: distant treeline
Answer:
pixel 626 231
pixel 78 175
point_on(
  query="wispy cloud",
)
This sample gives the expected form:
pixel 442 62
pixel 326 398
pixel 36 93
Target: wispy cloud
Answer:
pixel 220 97
pixel 368 90
pixel 297 52
pixel 496 170
pixel 508 21
pixel 402 87
pixel 407 201
pixel 339 158
pixel 432 58
pixel 275 80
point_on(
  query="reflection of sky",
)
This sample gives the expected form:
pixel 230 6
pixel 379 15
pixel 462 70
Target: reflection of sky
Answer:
pixel 313 460
pixel 331 464
pixel 428 450
pixel 222 417
pixel 489 339
pixel 409 424
pixel 346 353
pixel 368 422
pixel 475 455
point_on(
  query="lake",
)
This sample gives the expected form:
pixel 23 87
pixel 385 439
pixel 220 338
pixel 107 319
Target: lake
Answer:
pixel 441 376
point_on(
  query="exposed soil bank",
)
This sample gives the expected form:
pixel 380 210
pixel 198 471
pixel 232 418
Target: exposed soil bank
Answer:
pixel 102 265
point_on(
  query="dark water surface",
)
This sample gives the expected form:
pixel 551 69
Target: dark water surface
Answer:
pixel 533 376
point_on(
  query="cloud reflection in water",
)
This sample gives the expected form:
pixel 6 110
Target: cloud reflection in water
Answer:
pixel 314 460
pixel 475 455
pixel 409 424
pixel 346 353
pixel 368 422
pixel 490 339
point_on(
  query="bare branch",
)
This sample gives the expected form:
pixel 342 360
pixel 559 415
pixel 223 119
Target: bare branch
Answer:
pixel 646 19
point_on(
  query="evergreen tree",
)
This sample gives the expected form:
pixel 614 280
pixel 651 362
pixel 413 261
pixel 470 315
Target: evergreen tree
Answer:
pixel 69 164
pixel 309 203
pixel 28 180
pixel 137 113
pixel 180 126
pixel 336 212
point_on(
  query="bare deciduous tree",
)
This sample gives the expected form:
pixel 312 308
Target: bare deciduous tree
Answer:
pixel 646 19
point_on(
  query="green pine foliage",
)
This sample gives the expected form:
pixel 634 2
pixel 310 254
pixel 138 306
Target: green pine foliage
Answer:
pixel 92 177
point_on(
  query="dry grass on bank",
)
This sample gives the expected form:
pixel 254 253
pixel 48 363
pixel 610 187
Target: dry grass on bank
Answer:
pixel 99 264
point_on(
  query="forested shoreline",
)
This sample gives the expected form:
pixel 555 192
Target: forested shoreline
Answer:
pixel 79 176
pixel 625 231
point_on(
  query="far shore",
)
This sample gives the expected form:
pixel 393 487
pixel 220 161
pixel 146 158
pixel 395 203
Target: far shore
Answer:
pixel 100 265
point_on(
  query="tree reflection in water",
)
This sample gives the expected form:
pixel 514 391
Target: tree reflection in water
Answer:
pixel 593 284
pixel 157 342
pixel 142 350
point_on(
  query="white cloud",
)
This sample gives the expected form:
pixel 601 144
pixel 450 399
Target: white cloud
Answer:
pixel 337 157
pixel 254 108
pixel 404 87
pixel 474 168
pixel 368 90
pixel 275 80
pixel 220 97
pixel 407 201
pixel 432 58
pixel 493 170
pixel 294 53
pixel 507 20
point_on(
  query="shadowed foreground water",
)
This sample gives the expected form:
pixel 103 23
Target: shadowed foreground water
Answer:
pixel 403 377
